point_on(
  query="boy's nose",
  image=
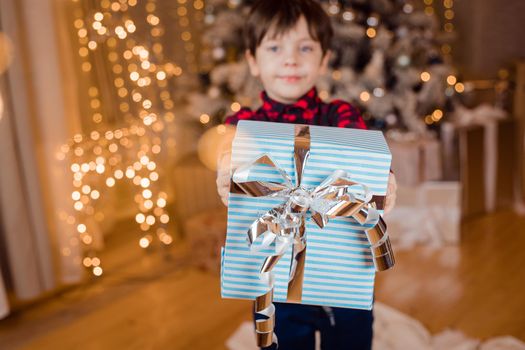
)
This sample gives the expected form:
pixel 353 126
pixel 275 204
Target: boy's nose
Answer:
pixel 290 59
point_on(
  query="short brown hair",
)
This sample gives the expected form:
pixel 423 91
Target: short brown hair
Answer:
pixel 283 15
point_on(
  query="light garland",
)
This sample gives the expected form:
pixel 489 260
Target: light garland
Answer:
pixel 105 156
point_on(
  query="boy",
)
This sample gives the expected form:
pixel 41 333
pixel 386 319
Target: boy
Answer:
pixel 287 48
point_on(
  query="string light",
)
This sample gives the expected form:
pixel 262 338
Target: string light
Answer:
pixel 459 87
pixel 204 118
pixel 364 96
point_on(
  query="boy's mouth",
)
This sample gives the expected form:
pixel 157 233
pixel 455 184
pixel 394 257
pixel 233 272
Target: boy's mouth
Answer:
pixel 290 78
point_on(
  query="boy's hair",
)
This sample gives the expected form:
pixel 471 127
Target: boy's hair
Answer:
pixel 281 16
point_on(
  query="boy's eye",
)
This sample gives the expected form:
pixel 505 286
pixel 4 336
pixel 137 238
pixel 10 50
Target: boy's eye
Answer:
pixel 273 48
pixel 307 48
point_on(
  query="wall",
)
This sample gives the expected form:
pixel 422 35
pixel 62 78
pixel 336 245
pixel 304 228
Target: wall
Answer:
pixel 491 35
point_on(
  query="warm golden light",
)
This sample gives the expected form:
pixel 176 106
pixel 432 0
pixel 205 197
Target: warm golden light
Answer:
pixel 161 75
pixel 86 189
pixel 164 218
pixel 235 106
pixel 150 220
pixel 75 167
pixel 82 33
pixel 186 36
pixel 83 52
pixel 140 218
pixel 86 66
pixel 150 7
pixel 144 182
pixel 459 87
pixel 151 166
pixel 148 204
pixel 119 174
pixel 119 82
pixel 144 242
pixel 97 271
pixel 110 182
pixel 451 80
pixel 87 239
pixel 166 239
pixel 204 119
pixel 437 115
pixel 425 76
pixel 156 149
pixel 146 104
pixel 364 96
pixel 134 76
pixel 78 23
pixel 198 4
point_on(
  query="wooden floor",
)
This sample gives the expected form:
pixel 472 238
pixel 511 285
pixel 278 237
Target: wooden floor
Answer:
pixel 156 301
pixel 477 287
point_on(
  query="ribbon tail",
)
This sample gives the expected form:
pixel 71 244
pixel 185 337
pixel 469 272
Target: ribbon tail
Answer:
pixel 265 322
pixel 382 251
pixel 377 236
pixel 264 307
pixel 295 283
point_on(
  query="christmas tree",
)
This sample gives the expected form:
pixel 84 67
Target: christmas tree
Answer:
pixel 391 58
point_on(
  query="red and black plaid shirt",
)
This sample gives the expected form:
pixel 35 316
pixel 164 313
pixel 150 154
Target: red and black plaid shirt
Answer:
pixel 309 109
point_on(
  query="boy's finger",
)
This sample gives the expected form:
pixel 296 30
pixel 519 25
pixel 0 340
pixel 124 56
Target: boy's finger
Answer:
pixel 223 193
pixel 223 181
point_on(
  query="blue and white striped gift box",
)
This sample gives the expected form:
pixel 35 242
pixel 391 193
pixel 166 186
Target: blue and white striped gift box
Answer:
pixel 339 270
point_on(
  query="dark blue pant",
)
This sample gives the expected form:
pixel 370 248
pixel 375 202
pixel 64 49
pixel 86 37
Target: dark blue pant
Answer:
pixel 295 327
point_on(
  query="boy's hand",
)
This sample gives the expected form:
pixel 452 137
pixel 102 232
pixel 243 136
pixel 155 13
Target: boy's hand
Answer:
pixel 224 150
pixel 223 176
pixel 390 200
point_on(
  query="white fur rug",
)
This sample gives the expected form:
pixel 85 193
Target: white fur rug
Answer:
pixel 394 330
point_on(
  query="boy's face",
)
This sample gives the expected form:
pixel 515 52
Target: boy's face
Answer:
pixel 289 64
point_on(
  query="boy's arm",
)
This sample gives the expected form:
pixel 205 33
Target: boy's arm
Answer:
pixel 225 151
pixel 223 164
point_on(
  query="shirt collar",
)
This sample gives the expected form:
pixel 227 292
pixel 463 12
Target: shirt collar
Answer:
pixel 309 101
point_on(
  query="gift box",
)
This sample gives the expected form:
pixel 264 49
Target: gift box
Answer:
pixel 416 159
pixel 480 150
pixel 304 220
pixel 426 215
